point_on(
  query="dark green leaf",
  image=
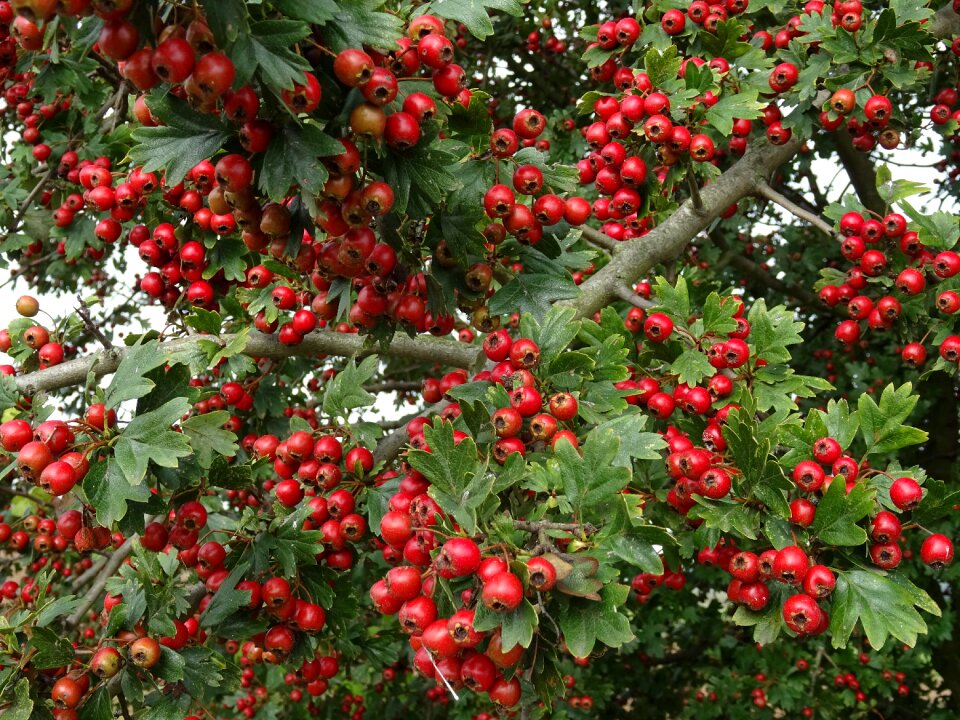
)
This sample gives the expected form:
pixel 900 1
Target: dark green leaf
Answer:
pixel 584 623
pixel 209 438
pixel 148 438
pixel 186 138
pixel 52 650
pixel 130 381
pixel 345 391
pixel 474 13
pixel 293 158
pixel 534 293
pixel 839 512
pixel 268 47
pixel 108 491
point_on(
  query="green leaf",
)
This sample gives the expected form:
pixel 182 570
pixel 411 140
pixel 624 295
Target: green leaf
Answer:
pixel 318 12
pixel 517 627
pixel 636 551
pixel 718 316
pixel 882 425
pixel 584 622
pixel 9 395
pixel 108 490
pixel 883 607
pixel 839 423
pixel 185 138
pixel 268 48
pixel 938 230
pixel 99 706
pixel 732 106
pixel 293 158
pixel 938 502
pixel 892 191
pixel 475 13
pixel 206 321
pixel 839 512
pixel 227 600
pixel 472 123
pixel 691 366
pixel 226 19
pixel 908 11
pixel 228 476
pixel 358 23
pixel 345 391
pixel 727 516
pixel 534 293
pixel 209 438
pixel 662 66
pixel 556 177
pixel 635 444
pixel 148 438
pixel 674 300
pixel 22 708
pixel 129 381
pixel 420 178
pixel 449 466
pixel 772 331
pixel 52 650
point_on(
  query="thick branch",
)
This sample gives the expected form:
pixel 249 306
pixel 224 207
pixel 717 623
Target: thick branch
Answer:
pixel 765 191
pixel 945 23
pixel 638 256
pixel 423 348
pixel 860 170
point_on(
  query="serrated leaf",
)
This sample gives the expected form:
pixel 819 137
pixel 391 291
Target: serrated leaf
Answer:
pixel 674 300
pixel 52 650
pixel 345 391
pixel 227 600
pixel 268 48
pixel 317 12
pixel 99 706
pixel 475 13
pixel 838 513
pixel 449 466
pixel 732 106
pixel 534 293
pixel 186 138
pixel 22 708
pixel 635 444
pixel 584 623
pixel 209 438
pixel 130 381
pixel 420 178
pixel 691 366
pixel 148 438
pixel 294 158
pixel 727 516
pixel 360 22
pixel 883 607
pixel 662 66
pixel 772 331
pixel 108 491
pixel 882 425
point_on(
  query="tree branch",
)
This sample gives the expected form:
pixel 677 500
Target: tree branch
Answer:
pixel 945 23
pixel 106 572
pixel 638 256
pixel 423 348
pixel 599 239
pixel 765 191
pixel 860 170
pixel 391 444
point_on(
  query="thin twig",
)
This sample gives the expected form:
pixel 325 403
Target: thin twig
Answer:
pixel 765 191
pixel 598 238
pixel 625 293
pixel 106 572
pixel 91 327
pixel 695 192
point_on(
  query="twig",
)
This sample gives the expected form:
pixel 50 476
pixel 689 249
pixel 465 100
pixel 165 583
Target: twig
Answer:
pixel 106 572
pixel 393 386
pixel 125 711
pixel 599 239
pixel 89 574
pixel 695 192
pixel 25 205
pixel 625 293
pixel 391 445
pixel 538 525
pixel 91 327
pixel 772 195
